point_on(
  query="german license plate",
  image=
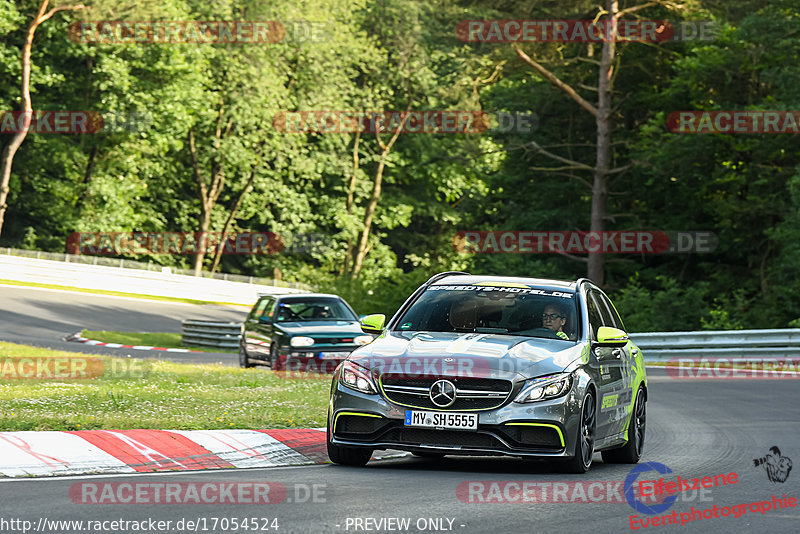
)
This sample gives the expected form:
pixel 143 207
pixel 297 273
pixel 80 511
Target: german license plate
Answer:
pixel 333 355
pixel 461 421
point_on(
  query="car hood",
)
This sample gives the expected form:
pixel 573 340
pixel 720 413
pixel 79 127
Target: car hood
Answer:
pixel 454 354
pixel 321 328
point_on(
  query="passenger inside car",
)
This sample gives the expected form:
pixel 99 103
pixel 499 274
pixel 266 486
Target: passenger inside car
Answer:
pixel 464 314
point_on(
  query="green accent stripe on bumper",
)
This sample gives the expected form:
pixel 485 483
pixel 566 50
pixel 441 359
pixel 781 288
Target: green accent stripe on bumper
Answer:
pixel 362 414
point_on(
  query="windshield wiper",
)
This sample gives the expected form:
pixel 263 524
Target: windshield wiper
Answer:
pixel 490 330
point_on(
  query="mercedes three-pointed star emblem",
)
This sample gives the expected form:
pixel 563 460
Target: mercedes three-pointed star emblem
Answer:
pixel 443 393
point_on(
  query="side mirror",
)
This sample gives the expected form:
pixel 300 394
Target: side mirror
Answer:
pixel 611 337
pixel 373 324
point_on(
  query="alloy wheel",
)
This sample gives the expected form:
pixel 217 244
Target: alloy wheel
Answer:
pixel 587 430
pixel 640 418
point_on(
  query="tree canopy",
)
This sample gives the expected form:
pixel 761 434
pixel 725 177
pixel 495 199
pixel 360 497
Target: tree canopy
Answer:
pixel 193 142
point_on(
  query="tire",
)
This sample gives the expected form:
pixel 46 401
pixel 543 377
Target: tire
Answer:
pixel 273 356
pixel 631 452
pixel 581 460
pixel 353 456
pixel 244 360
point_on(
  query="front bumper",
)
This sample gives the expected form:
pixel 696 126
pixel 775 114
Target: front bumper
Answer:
pixel 544 429
pixel 308 361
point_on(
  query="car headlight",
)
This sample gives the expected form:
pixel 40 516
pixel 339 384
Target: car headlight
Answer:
pixel 356 377
pixel 301 341
pixel 363 340
pixel 545 387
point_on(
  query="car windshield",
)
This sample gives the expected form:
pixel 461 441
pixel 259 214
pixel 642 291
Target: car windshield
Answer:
pixel 515 310
pixel 314 309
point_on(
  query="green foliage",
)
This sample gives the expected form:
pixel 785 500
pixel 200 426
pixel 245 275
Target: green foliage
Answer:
pixel 133 393
pixel 666 307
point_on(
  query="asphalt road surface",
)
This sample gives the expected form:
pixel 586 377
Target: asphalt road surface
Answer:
pixel 42 317
pixel 695 428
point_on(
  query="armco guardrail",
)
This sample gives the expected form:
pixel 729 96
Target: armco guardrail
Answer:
pixel 140 282
pixel 656 346
pixel 211 334
pixel 773 343
pixel 122 263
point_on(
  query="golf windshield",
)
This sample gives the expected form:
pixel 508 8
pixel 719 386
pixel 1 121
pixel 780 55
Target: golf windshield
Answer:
pixel 314 309
pixel 514 310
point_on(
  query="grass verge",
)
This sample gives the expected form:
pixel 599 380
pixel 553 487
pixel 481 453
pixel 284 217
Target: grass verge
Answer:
pixel 131 393
pixel 116 293
pixel 167 340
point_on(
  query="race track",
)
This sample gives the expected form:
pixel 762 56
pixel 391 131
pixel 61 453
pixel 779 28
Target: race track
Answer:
pixel 42 317
pixel 696 428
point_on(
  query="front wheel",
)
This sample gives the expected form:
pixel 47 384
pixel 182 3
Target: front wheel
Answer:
pixel 273 357
pixel 339 454
pixel 244 360
pixel 581 461
pixel 633 449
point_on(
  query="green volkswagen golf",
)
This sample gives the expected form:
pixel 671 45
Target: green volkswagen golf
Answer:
pixel 488 365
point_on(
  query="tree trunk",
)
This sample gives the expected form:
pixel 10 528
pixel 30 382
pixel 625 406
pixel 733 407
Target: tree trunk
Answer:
pixel 231 216
pixel 603 163
pixel 208 195
pixel 361 251
pixel 363 243
pixel 7 155
pixel 205 221
pixel 603 144
pixel 351 191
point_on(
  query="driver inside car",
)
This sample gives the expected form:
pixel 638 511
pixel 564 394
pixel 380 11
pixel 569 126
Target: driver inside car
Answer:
pixel 555 319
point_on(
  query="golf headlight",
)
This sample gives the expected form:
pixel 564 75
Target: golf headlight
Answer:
pixel 301 341
pixel 356 377
pixel 545 387
pixel 363 340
